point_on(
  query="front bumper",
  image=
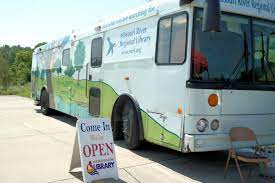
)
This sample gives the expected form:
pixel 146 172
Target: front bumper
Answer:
pixel 218 142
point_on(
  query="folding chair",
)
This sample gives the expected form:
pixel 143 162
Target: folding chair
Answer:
pixel 242 134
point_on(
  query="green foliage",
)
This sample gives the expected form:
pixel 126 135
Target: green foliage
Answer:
pixel 16 65
pixel 4 73
pixel 272 56
pixel 15 70
pixel 20 71
pixel 79 55
pixel 70 71
pixel 57 66
pixel 24 91
pixel 9 53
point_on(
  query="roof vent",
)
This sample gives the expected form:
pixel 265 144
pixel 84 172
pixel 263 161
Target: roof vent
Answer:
pixel 98 28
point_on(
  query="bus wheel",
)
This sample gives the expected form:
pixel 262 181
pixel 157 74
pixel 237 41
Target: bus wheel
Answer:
pixel 44 102
pixel 130 125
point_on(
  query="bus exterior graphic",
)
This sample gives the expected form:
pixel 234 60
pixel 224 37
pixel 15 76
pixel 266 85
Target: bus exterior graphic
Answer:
pixel 158 77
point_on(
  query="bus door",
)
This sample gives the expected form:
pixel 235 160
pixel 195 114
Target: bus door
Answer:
pixel 171 73
pixel 55 59
pixel 95 78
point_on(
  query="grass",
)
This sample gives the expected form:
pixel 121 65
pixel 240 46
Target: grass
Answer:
pixel 24 91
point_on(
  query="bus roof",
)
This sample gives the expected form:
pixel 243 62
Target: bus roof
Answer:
pixel 54 44
pixel 264 9
pixel 132 15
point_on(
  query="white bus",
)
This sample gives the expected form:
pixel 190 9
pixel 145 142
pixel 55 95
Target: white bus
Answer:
pixel 159 78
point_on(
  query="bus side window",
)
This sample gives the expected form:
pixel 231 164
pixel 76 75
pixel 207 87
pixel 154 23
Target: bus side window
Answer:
pixel 172 37
pixel 66 57
pixel 96 58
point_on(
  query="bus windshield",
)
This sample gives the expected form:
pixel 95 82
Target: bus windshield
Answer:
pixel 229 56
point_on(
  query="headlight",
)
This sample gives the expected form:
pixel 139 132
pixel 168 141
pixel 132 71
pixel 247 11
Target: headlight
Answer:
pixel 215 125
pixel 202 125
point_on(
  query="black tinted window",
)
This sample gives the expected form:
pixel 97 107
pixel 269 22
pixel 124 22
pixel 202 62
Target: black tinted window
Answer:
pixel 96 60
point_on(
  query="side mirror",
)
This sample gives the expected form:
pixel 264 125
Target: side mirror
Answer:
pixel 212 16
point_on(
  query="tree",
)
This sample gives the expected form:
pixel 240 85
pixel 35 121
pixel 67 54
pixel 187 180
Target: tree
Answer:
pixel 17 65
pixel 4 73
pixel 13 74
pixel 43 74
pixel 70 70
pixel 23 62
pixel 37 73
pixel 79 57
pixel 57 66
pixel 9 53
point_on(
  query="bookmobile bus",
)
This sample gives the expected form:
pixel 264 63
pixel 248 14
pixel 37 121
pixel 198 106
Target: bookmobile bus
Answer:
pixel 159 78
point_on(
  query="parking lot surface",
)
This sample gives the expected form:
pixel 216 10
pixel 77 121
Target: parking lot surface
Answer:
pixel 37 149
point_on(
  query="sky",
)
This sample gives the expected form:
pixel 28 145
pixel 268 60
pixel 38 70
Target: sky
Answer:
pixel 28 22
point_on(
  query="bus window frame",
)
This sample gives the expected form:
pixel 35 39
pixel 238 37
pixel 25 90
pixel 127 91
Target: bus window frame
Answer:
pixel 186 36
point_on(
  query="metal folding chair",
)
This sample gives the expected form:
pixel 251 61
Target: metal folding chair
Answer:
pixel 239 135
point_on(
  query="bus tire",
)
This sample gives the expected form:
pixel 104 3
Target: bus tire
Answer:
pixel 117 130
pixel 130 125
pixel 44 102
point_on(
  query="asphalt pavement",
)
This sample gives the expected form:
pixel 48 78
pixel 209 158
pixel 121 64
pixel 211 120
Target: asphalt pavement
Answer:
pixel 37 149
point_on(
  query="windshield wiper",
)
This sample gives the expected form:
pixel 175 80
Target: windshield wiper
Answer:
pixel 263 57
pixel 266 54
pixel 245 58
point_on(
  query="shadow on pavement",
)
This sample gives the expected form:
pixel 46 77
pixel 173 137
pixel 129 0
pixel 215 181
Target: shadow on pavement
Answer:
pixel 203 167
pixel 64 118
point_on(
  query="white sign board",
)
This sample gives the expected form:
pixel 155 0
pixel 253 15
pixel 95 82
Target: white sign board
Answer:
pixel 133 41
pixel 97 151
pixel 133 15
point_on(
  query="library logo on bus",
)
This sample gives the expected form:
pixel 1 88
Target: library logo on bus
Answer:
pixel 111 47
